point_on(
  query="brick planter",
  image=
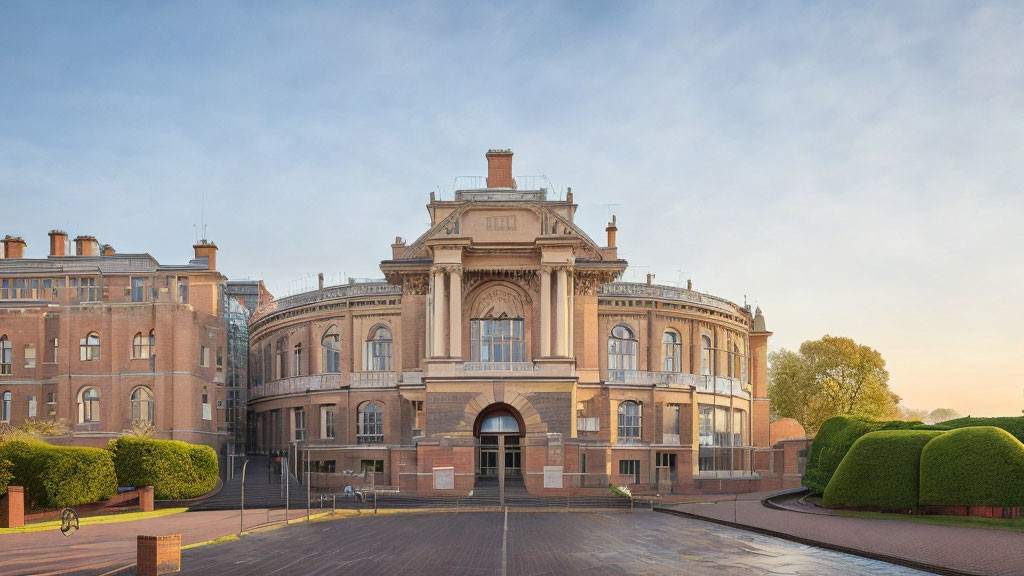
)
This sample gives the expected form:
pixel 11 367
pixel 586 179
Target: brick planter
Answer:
pixel 12 508
pixel 158 555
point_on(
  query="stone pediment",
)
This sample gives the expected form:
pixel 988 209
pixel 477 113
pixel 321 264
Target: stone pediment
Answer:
pixel 493 225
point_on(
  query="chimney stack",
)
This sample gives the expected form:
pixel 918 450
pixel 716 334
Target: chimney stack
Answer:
pixel 107 250
pixel 58 243
pixel 87 246
pixel 14 247
pixel 611 230
pixel 499 169
pixel 207 250
pixel 650 278
pixel 320 281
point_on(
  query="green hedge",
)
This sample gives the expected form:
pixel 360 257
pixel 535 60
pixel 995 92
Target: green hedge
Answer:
pixel 176 470
pixel 59 476
pixel 833 441
pixel 5 475
pixel 881 470
pixel 976 466
pixel 1012 424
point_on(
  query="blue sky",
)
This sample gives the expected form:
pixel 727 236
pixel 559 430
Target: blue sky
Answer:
pixel 854 168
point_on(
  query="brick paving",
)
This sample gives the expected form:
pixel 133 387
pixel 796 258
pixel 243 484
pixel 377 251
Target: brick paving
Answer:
pixel 951 549
pixel 536 543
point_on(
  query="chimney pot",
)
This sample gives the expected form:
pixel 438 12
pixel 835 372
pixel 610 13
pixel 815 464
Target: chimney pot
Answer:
pixel 58 243
pixel 87 246
pixel 611 230
pixel 499 169
pixel 14 247
pixel 320 280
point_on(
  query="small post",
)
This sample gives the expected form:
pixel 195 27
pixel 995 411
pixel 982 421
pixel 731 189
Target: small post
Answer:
pixel 287 477
pixel 374 502
pixel 334 503
pixel 241 510
pixel 307 486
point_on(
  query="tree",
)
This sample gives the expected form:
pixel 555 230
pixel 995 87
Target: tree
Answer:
pixel 830 377
pixel 913 414
pixel 941 415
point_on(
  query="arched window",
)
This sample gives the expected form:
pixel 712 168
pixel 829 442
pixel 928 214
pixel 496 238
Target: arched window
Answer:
pixel 378 349
pixel 629 420
pixel 621 349
pixel 707 364
pixel 89 347
pixel 734 365
pixel 281 358
pixel 673 345
pixel 5 407
pixel 370 425
pixel 89 405
pixel 268 364
pixel 297 359
pixel 331 344
pixel 142 405
pixel 6 364
pixel 141 347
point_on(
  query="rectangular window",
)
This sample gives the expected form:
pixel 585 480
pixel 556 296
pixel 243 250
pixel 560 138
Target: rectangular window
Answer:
pixel 220 359
pixel 419 417
pixel 327 422
pixel 31 406
pixel 327 466
pixel 30 356
pixel 204 360
pixel 497 340
pixel 51 403
pixel 706 415
pixel 182 289
pixel 300 424
pixel 630 468
pixel 583 462
pixel 376 466
pixel 138 289
pixel 739 428
pixel 722 435
pixel 207 409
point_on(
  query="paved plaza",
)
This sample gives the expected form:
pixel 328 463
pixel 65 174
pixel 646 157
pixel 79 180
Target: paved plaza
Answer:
pixel 533 543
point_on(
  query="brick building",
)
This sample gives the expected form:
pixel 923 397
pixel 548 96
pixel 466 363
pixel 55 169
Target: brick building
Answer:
pixel 102 340
pixel 501 345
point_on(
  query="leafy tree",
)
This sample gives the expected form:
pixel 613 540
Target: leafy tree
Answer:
pixel 941 415
pixel 829 377
pixel 913 414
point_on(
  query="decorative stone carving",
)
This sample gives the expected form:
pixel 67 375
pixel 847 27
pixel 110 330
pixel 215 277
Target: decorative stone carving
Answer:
pixel 497 301
pixel 415 284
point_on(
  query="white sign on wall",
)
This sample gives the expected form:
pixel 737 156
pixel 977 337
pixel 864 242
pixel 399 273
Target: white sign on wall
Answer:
pixel 444 478
pixel 552 476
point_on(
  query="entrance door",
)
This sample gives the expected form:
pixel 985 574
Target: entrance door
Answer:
pixel 490 454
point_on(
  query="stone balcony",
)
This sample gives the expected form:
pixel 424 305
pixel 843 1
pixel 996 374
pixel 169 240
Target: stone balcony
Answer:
pixel 373 379
pixel 721 385
pixel 547 368
pixel 297 385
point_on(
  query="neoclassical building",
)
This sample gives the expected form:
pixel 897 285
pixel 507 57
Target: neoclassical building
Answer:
pixel 501 345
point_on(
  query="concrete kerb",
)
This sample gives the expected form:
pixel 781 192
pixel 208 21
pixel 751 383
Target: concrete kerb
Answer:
pixel 925 567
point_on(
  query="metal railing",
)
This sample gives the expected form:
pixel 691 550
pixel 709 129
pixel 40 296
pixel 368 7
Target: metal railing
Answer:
pixel 723 385
pixel 644 377
pixel 498 366
pixel 297 384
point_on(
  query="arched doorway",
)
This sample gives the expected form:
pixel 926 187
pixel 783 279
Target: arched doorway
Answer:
pixel 498 429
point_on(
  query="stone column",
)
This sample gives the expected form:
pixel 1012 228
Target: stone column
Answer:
pixel 560 323
pixel 545 312
pixel 572 314
pixel 455 314
pixel 439 314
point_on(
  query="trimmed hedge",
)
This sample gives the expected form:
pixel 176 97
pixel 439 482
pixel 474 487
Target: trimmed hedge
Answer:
pixel 5 475
pixel 1012 424
pixel 176 470
pixel 881 470
pixel 833 441
pixel 60 476
pixel 976 466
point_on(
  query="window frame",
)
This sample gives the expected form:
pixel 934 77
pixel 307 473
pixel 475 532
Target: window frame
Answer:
pixel 379 349
pixel 370 423
pixel 622 348
pixel 6 400
pixel 89 347
pixel 672 351
pixel 90 405
pixel 137 402
pixel 330 355
pixel 6 356
pixel 630 425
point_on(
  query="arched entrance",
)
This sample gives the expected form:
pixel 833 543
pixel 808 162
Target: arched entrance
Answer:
pixel 498 429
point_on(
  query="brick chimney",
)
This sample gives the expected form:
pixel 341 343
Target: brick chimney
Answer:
pixel 87 246
pixel 207 250
pixel 107 250
pixel 611 230
pixel 14 247
pixel 499 169
pixel 58 243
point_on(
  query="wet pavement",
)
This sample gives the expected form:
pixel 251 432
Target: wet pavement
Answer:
pixel 531 544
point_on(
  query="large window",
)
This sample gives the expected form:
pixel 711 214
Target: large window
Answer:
pixel 297 359
pixel 370 424
pixel 6 364
pixel 673 346
pixel 138 289
pixel 378 349
pixel 621 349
pixel 142 346
pixel 497 340
pixel 629 421
pixel 182 289
pixel 142 405
pixel 707 363
pixel 327 422
pixel 5 407
pixel 300 424
pixel 30 355
pixel 89 347
pixel 707 429
pixel 90 406
pixel 331 344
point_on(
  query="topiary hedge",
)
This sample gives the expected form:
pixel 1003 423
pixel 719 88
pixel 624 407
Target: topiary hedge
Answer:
pixel 1012 424
pixel 5 475
pixel 60 476
pixel 176 470
pixel 833 441
pixel 881 470
pixel 976 466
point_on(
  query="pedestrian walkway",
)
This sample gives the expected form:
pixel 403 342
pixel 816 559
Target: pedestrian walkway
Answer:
pixel 263 489
pixel 942 549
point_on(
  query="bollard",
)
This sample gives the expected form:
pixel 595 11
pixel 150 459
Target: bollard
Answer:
pixel 146 499
pixel 157 555
pixel 12 508
pixel 334 504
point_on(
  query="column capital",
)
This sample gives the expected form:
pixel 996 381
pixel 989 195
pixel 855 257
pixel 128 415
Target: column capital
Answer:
pixel 446 269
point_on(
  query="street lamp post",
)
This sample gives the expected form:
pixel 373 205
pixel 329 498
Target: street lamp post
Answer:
pixel 241 512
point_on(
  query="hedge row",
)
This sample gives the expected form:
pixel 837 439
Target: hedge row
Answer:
pixel 5 475
pixel 976 466
pixel 59 476
pixel 176 470
pixel 881 470
pixel 1012 424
